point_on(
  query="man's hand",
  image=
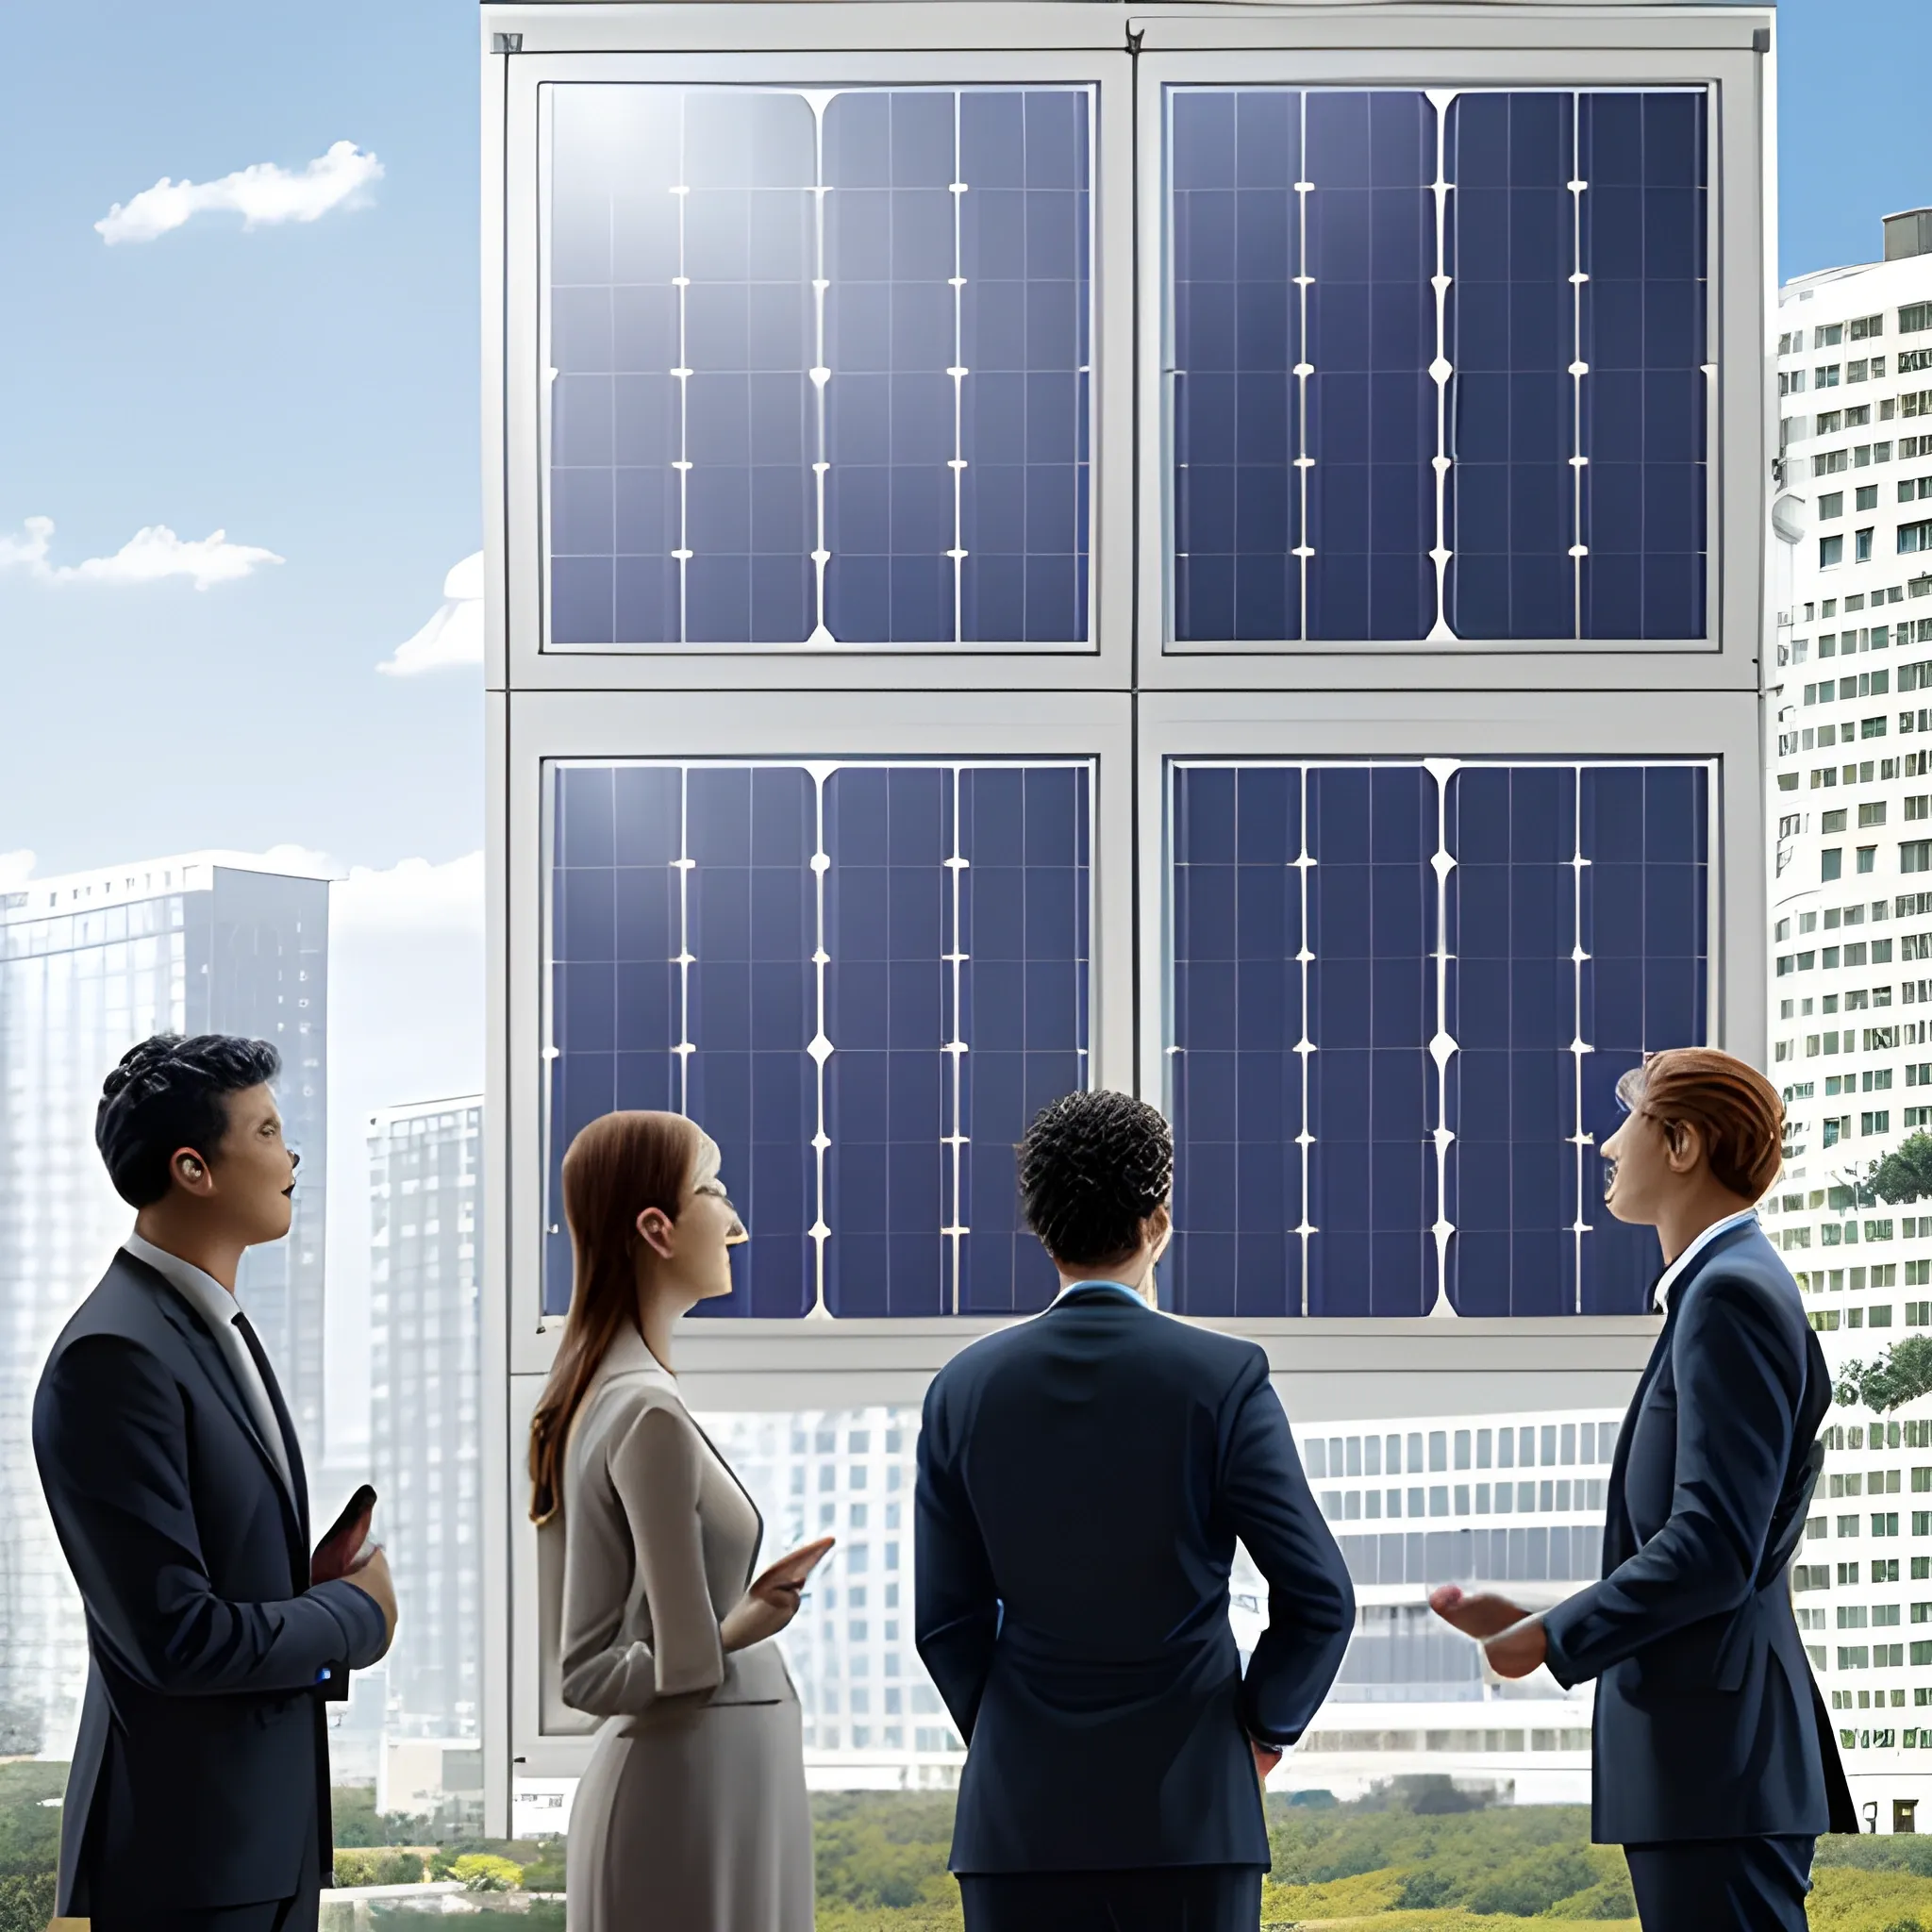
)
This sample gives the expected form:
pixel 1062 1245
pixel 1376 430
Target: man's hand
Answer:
pixel 373 1579
pixel 1481 1616
pixel 1518 1651
pixel 1266 1757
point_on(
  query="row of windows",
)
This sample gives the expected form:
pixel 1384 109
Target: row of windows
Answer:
pixel 1832 503
pixel 1564 1444
pixel 1829 335
pixel 1827 376
pixel 1461 1741
pixel 1485 1499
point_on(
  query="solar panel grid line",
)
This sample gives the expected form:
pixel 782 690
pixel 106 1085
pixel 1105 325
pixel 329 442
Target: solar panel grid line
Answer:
pixel 1305 957
pixel 1580 1138
pixel 955 1229
pixel 1577 458
pixel 819 375
pixel 821 1141
pixel 1443 1042
pixel 1442 369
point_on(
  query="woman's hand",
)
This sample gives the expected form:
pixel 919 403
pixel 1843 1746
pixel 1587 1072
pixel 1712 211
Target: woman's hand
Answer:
pixel 1511 1637
pixel 773 1599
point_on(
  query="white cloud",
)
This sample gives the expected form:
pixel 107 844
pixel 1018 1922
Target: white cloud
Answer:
pixel 16 867
pixel 454 634
pixel 261 195
pixel 147 557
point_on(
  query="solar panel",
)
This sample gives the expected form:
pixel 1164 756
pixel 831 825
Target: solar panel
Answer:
pixel 862 980
pixel 1438 364
pixel 820 365
pixel 1402 994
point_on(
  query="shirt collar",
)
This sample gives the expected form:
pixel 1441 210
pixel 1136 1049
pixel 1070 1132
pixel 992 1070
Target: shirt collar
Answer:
pixel 1667 1279
pixel 196 1286
pixel 1118 1288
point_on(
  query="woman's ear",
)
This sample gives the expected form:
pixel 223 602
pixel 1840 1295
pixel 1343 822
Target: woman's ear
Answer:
pixel 658 1232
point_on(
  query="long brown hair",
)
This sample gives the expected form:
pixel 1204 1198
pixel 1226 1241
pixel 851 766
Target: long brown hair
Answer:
pixel 618 1166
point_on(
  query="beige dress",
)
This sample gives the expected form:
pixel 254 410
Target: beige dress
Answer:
pixel 692 1815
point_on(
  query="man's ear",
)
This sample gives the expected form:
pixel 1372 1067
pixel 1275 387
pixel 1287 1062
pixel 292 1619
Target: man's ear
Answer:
pixel 1683 1145
pixel 658 1232
pixel 189 1172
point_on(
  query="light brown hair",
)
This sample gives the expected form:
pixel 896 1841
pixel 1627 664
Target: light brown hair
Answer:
pixel 618 1166
pixel 1735 1107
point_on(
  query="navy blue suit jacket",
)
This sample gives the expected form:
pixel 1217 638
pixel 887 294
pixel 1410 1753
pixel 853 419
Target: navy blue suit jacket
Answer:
pixel 1082 1479
pixel 202 1765
pixel 1708 1720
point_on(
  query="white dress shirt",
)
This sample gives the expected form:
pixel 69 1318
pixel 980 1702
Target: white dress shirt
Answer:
pixel 218 1309
pixel 1667 1278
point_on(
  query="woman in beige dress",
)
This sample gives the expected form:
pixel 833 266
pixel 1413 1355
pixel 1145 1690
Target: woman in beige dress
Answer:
pixel 692 1814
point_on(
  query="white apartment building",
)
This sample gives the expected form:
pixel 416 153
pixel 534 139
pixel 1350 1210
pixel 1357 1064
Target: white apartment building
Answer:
pixel 1852 930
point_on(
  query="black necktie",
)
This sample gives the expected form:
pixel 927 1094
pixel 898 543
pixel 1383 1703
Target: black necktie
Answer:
pixel 253 1342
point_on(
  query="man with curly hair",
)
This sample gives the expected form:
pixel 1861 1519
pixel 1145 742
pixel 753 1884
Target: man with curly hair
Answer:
pixel 1082 1479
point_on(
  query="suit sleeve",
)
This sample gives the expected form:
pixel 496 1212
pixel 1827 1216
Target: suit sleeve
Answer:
pixel 111 1439
pixel 1311 1600
pixel 1736 1421
pixel 656 1469
pixel 957 1611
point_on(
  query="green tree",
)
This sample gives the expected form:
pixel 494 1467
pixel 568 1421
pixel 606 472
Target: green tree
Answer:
pixel 1903 1373
pixel 26 1902
pixel 1905 1174
pixel 486 1871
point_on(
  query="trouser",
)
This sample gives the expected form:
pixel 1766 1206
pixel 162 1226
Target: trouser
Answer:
pixel 296 1913
pixel 1167 1898
pixel 1722 1884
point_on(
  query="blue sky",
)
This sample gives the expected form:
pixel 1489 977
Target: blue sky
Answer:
pixel 311 389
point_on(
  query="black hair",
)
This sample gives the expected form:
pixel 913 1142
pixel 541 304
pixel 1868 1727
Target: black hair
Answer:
pixel 167 1093
pixel 1093 1168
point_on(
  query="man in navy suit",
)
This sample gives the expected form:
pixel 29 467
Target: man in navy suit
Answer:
pixel 199 1798
pixel 1715 1765
pixel 1082 1479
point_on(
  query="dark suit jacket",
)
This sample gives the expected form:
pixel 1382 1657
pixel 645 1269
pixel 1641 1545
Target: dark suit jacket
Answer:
pixel 1082 1479
pixel 202 1765
pixel 1708 1721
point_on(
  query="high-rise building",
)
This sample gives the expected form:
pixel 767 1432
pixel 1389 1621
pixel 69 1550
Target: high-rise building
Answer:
pixel 90 963
pixel 1851 927
pixel 425 1283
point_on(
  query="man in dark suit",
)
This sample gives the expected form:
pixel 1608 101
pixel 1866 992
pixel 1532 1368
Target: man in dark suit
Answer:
pixel 1082 1479
pixel 1715 1764
pixel 199 1797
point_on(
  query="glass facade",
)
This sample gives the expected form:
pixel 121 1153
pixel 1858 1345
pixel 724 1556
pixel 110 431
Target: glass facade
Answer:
pixel 862 980
pixel 1436 364
pixel 90 965
pixel 820 365
pixel 1402 993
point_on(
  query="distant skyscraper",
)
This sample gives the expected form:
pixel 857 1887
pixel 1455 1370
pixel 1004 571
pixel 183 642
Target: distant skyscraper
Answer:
pixel 1851 935
pixel 90 963
pixel 426 1343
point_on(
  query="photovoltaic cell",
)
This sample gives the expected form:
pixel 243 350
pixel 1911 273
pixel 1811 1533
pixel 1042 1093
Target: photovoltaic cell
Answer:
pixel 822 365
pixel 860 980
pixel 1436 364
pixel 1401 999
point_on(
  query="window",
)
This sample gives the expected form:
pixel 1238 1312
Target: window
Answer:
pixel 1831 864
pixel 1832 822
pixel 1829 421
pixel 1829 462
pixel 1271 541
pixel 1864 328
pixel 804 432
pixel 1827 376
pixel 1832 503
pixel 1867 497
pixel 1911 360
pixel 689 903
pixel 1316 1168
pixel 1862 546
pixel 1873 815
pixel 1914 537
pixel 1914 489
pixel 1914 317
pixel 1915 855
pixel 1868 858
pixel 1828 335
pixel 1831 551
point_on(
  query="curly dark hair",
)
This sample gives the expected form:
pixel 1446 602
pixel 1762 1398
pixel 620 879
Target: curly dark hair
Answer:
pixel 1093 1168
pixel 170 1092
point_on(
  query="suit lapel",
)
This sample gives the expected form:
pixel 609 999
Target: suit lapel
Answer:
pixel 208 1353
pixel 1616 1521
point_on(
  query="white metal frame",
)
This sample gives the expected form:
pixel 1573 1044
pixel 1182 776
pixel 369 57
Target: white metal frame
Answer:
pixel 1128 703
pixel 1302 51
pixel 1102 661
